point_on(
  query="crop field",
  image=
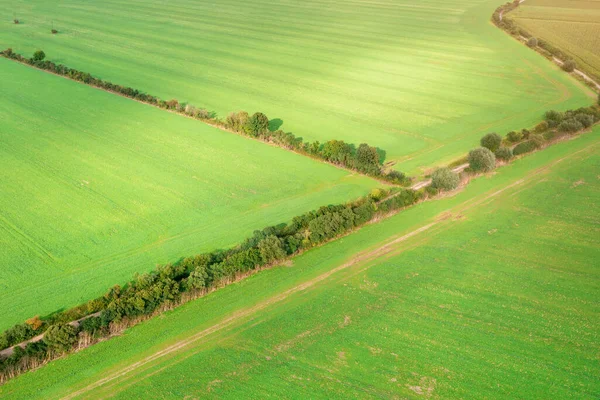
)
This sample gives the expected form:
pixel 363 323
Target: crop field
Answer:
pixel 422 80
pixel 572 26
pixel 95 187
pixel 489 293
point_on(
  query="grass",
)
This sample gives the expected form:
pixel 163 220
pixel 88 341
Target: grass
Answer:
pixel 96 187
pixel 572 26
pixel 423 81
pixel 494 297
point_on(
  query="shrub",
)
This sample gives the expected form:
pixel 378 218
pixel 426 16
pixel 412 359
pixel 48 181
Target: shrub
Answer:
pixel 569 66
pixel 537 140
pixel 585 120
pixel 491 141
pixel 532 42
pixel 504 153
pixel 481 160
pixel 396 177
pixel 54 31
pixel 16 21
pixel 541 127
pixel 570 125
pixel 553 118
pixel 61 337
pixel 524 147
pixel 39 55
pixel 257 125
pixel 514 136
pixel 444 179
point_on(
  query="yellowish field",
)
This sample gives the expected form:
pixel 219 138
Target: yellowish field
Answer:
pixel 571 25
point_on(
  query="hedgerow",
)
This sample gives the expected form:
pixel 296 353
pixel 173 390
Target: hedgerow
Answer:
pixel 365 159
pixel 166 285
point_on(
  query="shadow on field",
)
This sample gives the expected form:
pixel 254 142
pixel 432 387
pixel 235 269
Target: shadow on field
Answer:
pixel 275 124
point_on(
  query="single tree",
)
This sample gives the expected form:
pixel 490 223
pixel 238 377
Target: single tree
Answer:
pixel 258 124
pixel 532 42
pixel 444 179
pixel 491 141
pixel 481 160
pixel 504 153
pixel 569 65
pixel 39 55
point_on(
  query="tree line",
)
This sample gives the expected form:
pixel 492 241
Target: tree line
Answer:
pixel 365 159
pixel 166 284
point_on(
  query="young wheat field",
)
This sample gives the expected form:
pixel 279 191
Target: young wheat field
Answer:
pixel 96 187
pixel 490 293
pixel 422 80
pixel 572 26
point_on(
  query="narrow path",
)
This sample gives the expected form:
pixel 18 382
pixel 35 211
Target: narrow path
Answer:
pixel 9 351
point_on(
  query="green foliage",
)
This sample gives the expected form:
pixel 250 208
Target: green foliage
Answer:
pixel 504 153
pixel 524 147
pixel 541 127
pixel 532 42
pixel 61 337
pixel 481 160
pixel 257 124
pixel 39 55
pixel 514 136
pixel 444 179
pixel 271 249
pixel 491 141
pixel 570 125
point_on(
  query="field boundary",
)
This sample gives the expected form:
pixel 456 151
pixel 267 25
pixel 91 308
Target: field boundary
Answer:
pixel 361 258
pixel 549 52
pixel 334 152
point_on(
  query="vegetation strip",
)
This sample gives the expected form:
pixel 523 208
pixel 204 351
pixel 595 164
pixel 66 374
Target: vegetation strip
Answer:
pixel 542 46
pixel 365 159
pixel 171 285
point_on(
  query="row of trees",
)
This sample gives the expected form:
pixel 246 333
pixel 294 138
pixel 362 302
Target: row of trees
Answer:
pixel 147 292
pixel 364 158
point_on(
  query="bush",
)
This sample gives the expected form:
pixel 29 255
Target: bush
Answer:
pixel 514 136
pixel 504 153
pixel 38 55
pixel 569 66
pixel 553 118
pixel 444 179
pixel 541 127
pixel 491 141
pixel 524 147
pixel 257 125
pixel 532 42
pixel 16 21
pixel 481 160
pixel 585 120
pixel 61 337
pixel 570 125
pixel 54 31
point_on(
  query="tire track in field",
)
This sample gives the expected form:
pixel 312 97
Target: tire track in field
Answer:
pixel 249 311
pixel 366 256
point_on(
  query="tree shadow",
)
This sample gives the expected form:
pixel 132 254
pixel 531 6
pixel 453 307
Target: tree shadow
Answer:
pixel 275 124
pixel 382 155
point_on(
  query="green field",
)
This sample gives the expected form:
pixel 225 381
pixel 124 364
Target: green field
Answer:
pixel 490 293
pixel 95 187
pixel 572 26
pixel 422 80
